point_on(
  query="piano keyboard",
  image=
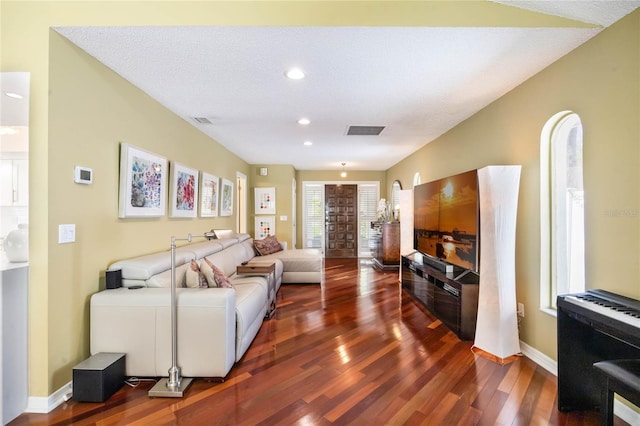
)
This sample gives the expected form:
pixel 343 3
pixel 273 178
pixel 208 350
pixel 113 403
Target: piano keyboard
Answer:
pixel 617 311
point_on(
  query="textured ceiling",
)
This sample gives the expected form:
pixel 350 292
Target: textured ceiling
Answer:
pixel 418 82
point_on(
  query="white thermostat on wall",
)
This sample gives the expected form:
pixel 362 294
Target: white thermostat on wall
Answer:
pixel 83 175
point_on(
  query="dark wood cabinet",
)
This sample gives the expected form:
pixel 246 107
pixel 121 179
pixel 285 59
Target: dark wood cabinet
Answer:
pixel 451 297
pixel 386 245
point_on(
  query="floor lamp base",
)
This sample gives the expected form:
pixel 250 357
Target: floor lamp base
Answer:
pixel 160 389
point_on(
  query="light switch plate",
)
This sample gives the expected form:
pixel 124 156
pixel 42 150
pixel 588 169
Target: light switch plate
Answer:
pixel 66 233
pixel 283 218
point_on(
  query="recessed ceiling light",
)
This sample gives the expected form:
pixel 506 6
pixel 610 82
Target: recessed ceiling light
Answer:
pixel 13 95
pixel 294 74
pixel 308 143
pixel 304 121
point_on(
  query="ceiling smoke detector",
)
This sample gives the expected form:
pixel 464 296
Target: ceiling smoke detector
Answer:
pixel 365 130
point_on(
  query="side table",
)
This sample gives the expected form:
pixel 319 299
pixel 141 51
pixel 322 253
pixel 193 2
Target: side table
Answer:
pixel 264 269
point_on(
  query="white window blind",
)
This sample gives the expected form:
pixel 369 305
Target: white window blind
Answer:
pixel 562 232
pixel 567 208
pixel 368 196
pixel 313 214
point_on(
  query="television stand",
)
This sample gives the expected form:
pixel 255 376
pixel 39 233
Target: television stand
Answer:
pixel 454 301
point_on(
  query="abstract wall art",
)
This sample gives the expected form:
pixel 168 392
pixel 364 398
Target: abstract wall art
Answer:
pixel 265 226
pixel 209 195
pixel 184 191
pixel 226 206
pixel 265 202
pixel 143 183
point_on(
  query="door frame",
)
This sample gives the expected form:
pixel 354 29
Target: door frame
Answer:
pixel 330 182
pixel 241 203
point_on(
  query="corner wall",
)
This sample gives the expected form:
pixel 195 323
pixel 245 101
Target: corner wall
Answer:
pixel 281 178
pixel 601 82
pixel 91 111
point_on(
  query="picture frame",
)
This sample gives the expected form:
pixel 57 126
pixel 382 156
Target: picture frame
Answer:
pixel 226 198
pixel 184 191
pixel 209 195
pixel 265 201
pixel 143 183
pixel 264 226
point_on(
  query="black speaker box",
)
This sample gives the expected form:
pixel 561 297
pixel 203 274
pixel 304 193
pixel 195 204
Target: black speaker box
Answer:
pixel 97 378
pixel 113 278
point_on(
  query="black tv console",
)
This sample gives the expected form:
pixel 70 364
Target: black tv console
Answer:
pixel 451 296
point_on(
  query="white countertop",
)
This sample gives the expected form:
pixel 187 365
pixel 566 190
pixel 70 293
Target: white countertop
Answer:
pixel 5 265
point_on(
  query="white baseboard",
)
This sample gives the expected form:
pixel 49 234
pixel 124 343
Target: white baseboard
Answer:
pixel 43 405
pixel 620 409
pixel 539 358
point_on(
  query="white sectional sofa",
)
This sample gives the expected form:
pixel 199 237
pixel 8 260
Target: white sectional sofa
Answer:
pixel 215 325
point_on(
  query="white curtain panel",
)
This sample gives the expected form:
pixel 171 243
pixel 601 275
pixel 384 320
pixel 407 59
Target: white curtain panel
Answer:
pixel 497 322
pixel 406 224
pixel 406 221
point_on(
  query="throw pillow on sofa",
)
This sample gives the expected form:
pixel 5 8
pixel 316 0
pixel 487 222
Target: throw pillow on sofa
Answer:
pixel 214 275
pixel 267 245
pixel 194 277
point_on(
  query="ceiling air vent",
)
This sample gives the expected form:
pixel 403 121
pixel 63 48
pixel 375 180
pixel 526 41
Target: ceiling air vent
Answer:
pixel 202 120
pixel 365 130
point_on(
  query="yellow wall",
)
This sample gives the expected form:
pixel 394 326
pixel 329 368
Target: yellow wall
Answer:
pixel 600 82
pixel 281 178
pixel 92 110
pixel 80 111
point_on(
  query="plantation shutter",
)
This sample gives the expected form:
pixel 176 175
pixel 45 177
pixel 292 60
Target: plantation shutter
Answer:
pixel 368 194
pixel 313 213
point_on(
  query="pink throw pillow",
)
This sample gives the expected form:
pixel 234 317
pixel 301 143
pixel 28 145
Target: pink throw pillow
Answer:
pixel 267 245
pixel 214 275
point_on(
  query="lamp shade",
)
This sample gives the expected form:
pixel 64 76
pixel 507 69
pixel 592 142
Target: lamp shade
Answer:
pixel 497 322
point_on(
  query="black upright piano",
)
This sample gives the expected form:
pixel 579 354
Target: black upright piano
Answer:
pixel 593 326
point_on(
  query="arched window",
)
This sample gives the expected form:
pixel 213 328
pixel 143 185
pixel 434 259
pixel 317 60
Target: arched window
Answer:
pixel 396 187
pixel 562 208
pixel 417 180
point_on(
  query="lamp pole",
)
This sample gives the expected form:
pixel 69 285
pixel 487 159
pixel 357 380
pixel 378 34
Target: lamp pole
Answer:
pixel 175 385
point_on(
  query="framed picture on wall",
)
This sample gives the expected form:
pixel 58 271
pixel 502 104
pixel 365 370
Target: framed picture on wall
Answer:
pixel 209 194
pixel 265 201
pixel 143 183
pixel 265 226
pixel 184 191
pixel 226 200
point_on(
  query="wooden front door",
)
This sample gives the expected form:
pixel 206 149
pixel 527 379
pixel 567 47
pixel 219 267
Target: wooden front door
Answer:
pixel 341 220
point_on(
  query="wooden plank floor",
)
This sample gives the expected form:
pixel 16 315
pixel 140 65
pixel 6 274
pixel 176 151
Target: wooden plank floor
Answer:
pixel 354 351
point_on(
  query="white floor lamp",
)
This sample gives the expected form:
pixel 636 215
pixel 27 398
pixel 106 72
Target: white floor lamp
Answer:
pixel 497 322
pixel 175 385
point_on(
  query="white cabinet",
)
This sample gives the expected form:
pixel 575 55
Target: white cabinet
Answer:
pixel 14 182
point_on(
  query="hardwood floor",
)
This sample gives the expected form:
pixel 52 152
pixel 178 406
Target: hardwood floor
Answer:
pixel 355 351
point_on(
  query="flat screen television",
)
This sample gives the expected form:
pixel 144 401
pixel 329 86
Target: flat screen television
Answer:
pixel 445 219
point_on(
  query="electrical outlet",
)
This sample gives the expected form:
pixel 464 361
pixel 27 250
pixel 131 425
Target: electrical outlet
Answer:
pixel 521 310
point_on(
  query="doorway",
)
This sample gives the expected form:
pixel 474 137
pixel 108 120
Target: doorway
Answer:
pixel 241 203
pixel 341 220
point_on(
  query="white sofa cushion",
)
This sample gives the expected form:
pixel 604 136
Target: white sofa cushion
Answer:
pixel 298 260
pixel 144 267
pixel 250 311
pixel 138 323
